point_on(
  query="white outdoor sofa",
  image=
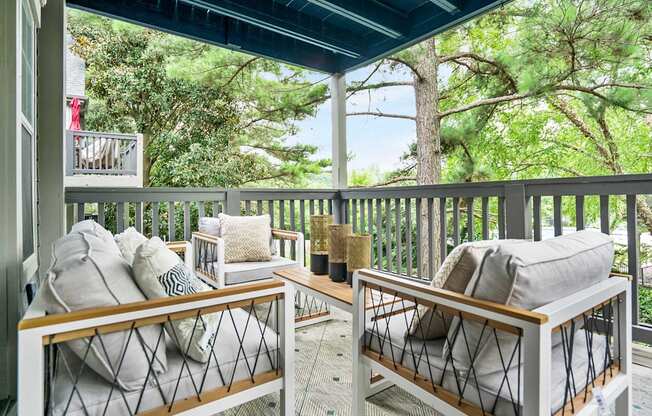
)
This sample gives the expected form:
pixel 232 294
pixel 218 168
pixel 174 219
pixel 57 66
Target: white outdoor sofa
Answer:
pixel 248 358
pixel 562 358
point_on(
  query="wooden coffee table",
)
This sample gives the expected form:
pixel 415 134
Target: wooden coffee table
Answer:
pixel 339 295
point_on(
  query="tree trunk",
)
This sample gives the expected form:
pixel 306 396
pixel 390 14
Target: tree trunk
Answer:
pixel 426 92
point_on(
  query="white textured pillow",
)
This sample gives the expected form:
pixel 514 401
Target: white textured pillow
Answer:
pixel 87 273
pixel 246 238
pixel 128 241
pixel 91 227
pixel 160 273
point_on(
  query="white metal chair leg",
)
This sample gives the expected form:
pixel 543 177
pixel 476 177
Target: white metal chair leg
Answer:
pixel 287 337
pixel 624 403
pixel 360 371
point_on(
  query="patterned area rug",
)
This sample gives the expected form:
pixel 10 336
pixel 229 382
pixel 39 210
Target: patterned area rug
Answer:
pixel 323 380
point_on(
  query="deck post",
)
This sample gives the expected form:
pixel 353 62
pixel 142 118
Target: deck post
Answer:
pixel 518 212
pixel 232 202
pixel 51 127
pixel 338 132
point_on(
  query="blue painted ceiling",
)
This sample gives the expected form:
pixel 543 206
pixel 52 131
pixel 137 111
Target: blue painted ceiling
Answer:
pixel 325 35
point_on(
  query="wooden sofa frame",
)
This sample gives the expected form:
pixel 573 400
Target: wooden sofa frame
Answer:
pixel 536 329
pixel 37 331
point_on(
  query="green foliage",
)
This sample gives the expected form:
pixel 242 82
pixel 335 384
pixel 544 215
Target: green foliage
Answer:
pixel 209 117
pixel 645 303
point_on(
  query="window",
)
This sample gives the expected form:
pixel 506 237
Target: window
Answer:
pixel 27 58
pixel 26 144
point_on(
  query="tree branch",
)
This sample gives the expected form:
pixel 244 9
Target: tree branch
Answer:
pixel 406 64
pixel 487 101
pixel 381 114
pixel 239 70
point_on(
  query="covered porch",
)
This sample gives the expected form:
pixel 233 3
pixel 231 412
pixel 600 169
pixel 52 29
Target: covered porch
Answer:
pixel 412 228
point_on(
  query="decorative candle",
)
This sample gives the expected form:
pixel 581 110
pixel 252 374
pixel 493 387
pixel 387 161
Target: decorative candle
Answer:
pixel 337 234
pixel 358 254
pixel 319 243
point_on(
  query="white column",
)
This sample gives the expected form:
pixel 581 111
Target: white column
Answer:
pixel 338 117
pixel 51 128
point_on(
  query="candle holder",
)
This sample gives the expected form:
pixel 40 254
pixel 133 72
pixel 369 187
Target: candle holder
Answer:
pixel 358 254
pixel 319 243
pixel 337 234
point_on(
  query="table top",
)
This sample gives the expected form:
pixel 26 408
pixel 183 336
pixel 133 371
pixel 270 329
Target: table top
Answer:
pixel 340 292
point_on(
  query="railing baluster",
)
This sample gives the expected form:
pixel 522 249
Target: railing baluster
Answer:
pixel 201 209
pixel 633 253
pixel 485 218
pixel 259 207
pixel 81 211
pixel 281 214
pixel 431 242
pixel 155 219
pixel 321 207
pixel 311 207
pixel 501 217
pixel 186 220
pixel 604 213
pixel 171 226
pixel 270 211
pixel 379 234
pixel 139 216
pixel 216 209
pixel 247 207
pixel 354 215
pixel 408 234
pixel 330 206
pixel 443 231
pixel 469 219
pixel 456 221
pixel 397 225
pixel 557 220
pixel 302 222
pixel 579 212
pixel 120 217
pixel 418 202
pixel 293 227
pixel 388 234
pixel 362 216
pixel 100 214
pixel 536 216
pixel 370 216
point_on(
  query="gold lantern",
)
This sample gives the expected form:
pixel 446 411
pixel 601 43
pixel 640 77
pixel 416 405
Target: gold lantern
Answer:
pixel 337 235
pixel 358 254
pixel 319 243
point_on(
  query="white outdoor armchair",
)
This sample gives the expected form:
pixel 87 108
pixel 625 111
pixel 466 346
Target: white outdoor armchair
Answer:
pixel 209 261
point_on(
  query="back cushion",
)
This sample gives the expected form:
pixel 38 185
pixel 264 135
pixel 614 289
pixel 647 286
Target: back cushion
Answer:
pixel 529 276
pixel 210 226
pixel 83 263
pixel 454 275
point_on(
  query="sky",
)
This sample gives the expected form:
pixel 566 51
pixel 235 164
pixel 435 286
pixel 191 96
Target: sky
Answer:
pixel 372 141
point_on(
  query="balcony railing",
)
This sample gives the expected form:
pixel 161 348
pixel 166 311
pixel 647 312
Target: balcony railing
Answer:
pixel 411 234
pixel 95 153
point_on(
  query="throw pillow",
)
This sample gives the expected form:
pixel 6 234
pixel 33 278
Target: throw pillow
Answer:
pixel 210 226
pixel 83 263
pixel 128 241
pixel 91 227
pixel 454 275
pixel 159 272
pixel 246 238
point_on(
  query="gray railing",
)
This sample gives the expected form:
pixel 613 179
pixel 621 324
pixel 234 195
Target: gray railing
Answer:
pixel 411 235
pixel 95 153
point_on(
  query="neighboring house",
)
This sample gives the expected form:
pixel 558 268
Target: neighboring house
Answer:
pixel 95 158
pixel 75 82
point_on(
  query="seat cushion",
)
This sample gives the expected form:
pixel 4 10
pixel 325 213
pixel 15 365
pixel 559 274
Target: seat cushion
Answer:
pixel 244 272
pixel 94 391
pixel 388 336
pixel 84 264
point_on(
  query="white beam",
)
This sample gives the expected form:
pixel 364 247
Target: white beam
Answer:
pixel 338 117
pixel 51 127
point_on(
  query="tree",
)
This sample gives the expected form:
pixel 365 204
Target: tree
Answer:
pixel 200 128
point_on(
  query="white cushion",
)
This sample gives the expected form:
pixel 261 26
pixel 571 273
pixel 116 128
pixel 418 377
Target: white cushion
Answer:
pixel 529 276
pixel 128 241
pixel 210 226
pixel 454 275
pixel 91 227
pixel 87 272
pixel 160 273
pixel 244 272
pixel 246 238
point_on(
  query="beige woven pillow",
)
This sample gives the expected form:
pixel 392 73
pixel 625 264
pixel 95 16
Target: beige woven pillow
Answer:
pixel 246 238
pixel 454 275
